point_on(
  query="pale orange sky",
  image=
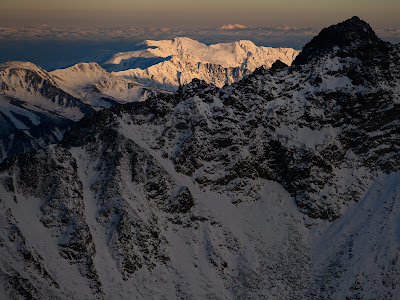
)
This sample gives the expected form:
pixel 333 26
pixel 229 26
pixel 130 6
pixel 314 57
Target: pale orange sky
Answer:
pixel 76 29
pixel 383 13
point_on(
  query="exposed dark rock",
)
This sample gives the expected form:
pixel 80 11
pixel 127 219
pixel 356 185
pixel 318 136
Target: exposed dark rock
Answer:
pixel 278 65
pixel 347 36
pixel 200 188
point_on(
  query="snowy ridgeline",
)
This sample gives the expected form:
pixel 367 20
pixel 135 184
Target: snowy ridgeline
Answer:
pixel 86 83
pixel 167 64
pixel 284 185
pixel 58 98
pixel 36 107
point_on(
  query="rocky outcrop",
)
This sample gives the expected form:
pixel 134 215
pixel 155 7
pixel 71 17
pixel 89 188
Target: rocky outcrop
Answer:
pixel 25 127
pixel 26 81
pixel 283 185
pixel 36 107
pixel 308 127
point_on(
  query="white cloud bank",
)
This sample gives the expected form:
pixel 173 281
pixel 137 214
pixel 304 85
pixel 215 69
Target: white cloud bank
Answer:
pixel 53 47
pixel 275 36
pixel 232 26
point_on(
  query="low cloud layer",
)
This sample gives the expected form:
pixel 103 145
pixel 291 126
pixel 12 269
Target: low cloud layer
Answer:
pixel 232 26
pixel 285 36
pixel 52 47
pixel 389 34
pixel 265 36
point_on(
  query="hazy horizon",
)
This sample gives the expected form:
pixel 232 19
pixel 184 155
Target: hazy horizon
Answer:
pixel 53 34
pixel 201 13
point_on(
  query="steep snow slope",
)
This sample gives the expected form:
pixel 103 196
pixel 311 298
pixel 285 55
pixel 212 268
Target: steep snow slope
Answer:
pixel 358 255
pixel 95 86
pixel 125 224
pixel 30 83
pixel 36 107
pixel 25 127
pixel 284 185
pixel 170 63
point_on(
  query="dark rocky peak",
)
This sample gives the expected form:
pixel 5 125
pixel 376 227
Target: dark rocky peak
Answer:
pixel 259 71
pixel 278 65
pixel 347 36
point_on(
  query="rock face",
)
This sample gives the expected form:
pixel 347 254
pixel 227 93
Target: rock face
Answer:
pixel 284 185
pixel 308 127
pixel 167 64
pixel 36 107
pixel 361 37
pixel 58 97
pixel 25 127
pixel 34 110
pixel 27 82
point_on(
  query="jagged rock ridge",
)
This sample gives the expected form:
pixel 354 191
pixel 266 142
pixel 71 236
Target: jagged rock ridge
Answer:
pixel 36 107
pixel 281 186
pixel 28 82
pixel 25 127
pixel 34 110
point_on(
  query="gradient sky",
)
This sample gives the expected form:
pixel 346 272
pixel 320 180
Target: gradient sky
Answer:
pixel 56 33
pixel 383 13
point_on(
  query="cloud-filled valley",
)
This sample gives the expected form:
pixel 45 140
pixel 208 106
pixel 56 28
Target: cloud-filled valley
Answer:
pixel 55 46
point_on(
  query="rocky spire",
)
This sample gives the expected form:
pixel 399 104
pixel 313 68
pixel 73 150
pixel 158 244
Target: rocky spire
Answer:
pixel 352 33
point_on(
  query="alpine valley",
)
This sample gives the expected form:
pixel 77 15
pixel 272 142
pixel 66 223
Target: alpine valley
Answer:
pixel 284 184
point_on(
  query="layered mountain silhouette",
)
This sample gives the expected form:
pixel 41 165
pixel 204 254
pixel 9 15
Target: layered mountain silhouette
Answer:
pixel 283 185
pixel 167 64
pixel 69 94
pixel 37 106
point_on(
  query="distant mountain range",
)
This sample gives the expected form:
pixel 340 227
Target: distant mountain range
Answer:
pixel 168 64
pixel 71 93
pixel 282 185
pixel 33 99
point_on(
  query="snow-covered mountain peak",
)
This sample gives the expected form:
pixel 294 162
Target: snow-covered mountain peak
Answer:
pixel 85 67
pixel 168 64
pixel 282 185
pixel 96 86
pixel 18 77
pixel 225 54
pixel 246 43
pixel 18 70
pixel 27 82
pixel 25 65
pixel 174 45
pixel 81 74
